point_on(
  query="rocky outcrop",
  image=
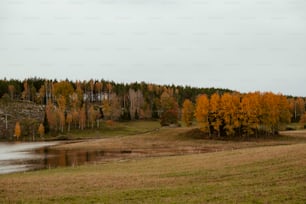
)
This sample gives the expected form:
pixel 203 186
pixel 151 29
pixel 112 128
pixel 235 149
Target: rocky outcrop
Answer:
pixel 25 112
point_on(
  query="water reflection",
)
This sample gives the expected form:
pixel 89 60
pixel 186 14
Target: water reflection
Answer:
pixel 19 156
pixel 52 158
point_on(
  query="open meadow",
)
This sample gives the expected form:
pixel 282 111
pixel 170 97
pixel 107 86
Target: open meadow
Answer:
pixel 167 165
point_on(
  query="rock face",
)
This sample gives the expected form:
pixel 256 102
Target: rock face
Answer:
pixel 27 113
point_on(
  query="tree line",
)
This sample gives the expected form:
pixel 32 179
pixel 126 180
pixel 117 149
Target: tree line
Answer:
pixel 84 104
pixel 235 114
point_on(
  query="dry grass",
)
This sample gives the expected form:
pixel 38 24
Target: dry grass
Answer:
pixel 294 133
pixel 166 142
pixel 116 129
pixel 185 171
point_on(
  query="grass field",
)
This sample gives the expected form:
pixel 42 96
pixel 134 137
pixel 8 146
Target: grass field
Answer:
pixel 259 171
pixel 115 129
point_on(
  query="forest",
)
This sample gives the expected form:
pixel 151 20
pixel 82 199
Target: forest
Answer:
pixel 217 112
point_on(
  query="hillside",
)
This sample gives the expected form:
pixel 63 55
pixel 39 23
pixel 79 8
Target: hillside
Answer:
pixel 28 113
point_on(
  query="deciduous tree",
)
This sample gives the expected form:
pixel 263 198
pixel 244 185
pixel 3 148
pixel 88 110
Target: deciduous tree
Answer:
pixel 69 119
pixel 229 108
pixel 64 89
pixel 168 109
pixel 11 89
pixel 82 118
pixel 41 130
pixel 250 110
pixel 62 121
pixel 92 116
pixel 187 112
pixel 303 119
pixel 214 116
pixel 106 109
pixel 201 112
pixel 17 130
pixel 26 91
pixel 51 115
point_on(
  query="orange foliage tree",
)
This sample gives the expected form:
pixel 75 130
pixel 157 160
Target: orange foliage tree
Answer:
pixel 82 118
pixel 250 110
pixel 51 115
pixel 41 130
pixel 92 116
pixel 69 119
pixel 230 114
pixel 17 130
pixel 187 112
pixel 214 116
pixel 201 112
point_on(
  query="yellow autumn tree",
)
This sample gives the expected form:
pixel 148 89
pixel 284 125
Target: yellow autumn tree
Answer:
pixel 109 88
pixel 98 89
pixel 64 89
pixel 214 114
pixel 26 91
pixel 249 113
pixel 42 94
pixel 303 119
pixel 115 107
pixel 187 112
pixel 106 109
pixel 92 86
pixel 80 93
pixel 17 130
pixel 201 112
pixel 92 116
pixel 11 89
pixel 169 110
pixel 41 130
pixel 61 118
pixel 270 112
pixel 51 115
pixel 69 119
pixel 82 118
pixel 75 117
pixel 229 108
pixel 61 102
pixel 284 110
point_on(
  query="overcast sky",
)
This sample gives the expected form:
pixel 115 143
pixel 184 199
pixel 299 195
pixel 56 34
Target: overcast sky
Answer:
pixel 245 45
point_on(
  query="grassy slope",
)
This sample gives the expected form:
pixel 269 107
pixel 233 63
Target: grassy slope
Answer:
pixel 270 174
pixel 118 128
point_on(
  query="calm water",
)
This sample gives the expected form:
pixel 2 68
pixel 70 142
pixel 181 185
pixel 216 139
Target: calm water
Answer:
pixel 19 156
pixel 52 158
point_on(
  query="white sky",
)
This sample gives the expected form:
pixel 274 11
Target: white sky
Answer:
pixel 245 45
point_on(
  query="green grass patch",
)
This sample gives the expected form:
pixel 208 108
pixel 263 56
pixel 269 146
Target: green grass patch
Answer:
pixel 106 130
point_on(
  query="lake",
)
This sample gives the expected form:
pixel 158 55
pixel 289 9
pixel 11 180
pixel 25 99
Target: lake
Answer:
pixel 20 156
